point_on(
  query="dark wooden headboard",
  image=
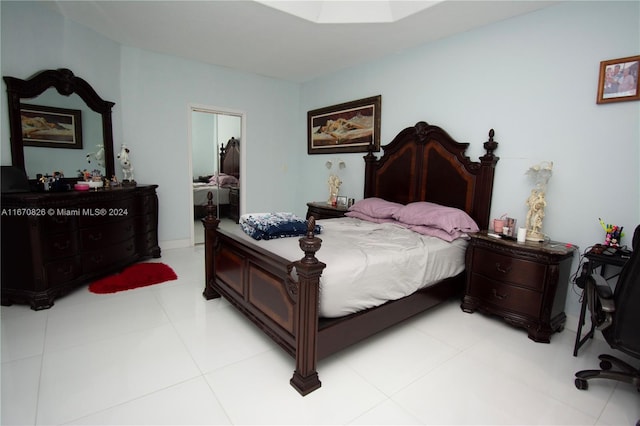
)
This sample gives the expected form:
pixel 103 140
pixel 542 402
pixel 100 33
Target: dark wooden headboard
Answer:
pixel 230 158
pixel 423 163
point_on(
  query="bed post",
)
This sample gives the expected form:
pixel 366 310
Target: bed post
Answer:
pixel 485 180
pixel 309 268
pixel 210 223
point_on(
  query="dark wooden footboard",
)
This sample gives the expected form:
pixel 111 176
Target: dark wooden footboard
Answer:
pixel 279 296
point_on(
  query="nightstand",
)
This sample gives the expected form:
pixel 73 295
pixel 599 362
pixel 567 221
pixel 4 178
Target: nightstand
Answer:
pixel 524 283
pixel 322 210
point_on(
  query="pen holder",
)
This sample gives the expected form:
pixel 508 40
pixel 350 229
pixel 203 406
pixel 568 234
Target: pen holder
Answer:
pixel 613 236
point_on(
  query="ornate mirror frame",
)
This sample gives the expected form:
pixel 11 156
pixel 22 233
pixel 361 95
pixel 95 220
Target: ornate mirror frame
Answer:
pixel 66 84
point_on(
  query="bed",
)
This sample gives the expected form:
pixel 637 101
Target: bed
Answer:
pixel 281 297
pixel 219 184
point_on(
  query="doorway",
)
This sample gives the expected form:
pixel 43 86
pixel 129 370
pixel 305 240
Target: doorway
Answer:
pixel 209 129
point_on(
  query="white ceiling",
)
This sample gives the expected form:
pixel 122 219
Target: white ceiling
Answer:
pixel 250 36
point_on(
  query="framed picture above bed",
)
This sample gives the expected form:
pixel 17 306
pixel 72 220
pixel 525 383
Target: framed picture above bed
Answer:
pixel 618 80
pixel 348 127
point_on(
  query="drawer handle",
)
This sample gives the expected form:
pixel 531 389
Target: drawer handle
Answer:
pixel 503 270
pixel 498 296
pixel 65 270
pixel 59 246
pixel 95 237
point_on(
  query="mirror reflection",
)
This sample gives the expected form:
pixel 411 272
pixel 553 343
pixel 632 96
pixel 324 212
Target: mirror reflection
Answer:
pixel 211 133
pixel 44 160
pixel 59 99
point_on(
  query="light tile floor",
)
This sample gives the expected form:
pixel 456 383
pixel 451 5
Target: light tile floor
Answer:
pixel 164 355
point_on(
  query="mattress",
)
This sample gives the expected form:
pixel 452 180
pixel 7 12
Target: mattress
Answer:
pixel 369 264
pixel 200 191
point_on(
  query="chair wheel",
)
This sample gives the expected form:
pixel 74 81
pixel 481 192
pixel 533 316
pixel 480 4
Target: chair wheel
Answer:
pixel 582 384
pixel 605 365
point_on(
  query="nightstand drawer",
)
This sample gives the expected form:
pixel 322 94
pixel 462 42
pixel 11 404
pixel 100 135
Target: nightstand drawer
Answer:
pixel 504 296
pixel 508 268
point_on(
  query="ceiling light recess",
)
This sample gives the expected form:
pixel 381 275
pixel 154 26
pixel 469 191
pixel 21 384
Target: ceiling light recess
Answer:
pixel 350 11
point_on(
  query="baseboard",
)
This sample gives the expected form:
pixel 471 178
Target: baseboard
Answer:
pixel 572 323
pixel 174 244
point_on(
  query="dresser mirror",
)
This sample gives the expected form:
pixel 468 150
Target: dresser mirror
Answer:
pixel 62 90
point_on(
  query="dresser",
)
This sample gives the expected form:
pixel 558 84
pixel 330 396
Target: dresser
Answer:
pixel 322 210
pixel 54 242
pixel 524 283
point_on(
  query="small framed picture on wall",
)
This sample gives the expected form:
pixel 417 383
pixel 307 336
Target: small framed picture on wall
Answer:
pixel 618 80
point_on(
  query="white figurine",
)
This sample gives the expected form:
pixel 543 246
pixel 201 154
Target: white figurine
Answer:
pixel 98 156
pixel 540 173
pixel 127 168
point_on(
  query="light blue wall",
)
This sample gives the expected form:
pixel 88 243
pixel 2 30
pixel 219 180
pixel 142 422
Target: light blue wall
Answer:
pixel 534 80
pixel 157 91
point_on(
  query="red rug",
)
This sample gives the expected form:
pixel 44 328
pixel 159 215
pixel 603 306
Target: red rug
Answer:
pixel 138 275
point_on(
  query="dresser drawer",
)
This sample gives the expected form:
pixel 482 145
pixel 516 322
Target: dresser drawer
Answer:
pixel 505 297
pixel 147 223
pixel 62 270
pixel 59 222
pixel 98 260
pixel 507 268
pixel 107 234
pixel 98 214
pixel 60 245
pixel 147 242
pixel 147 205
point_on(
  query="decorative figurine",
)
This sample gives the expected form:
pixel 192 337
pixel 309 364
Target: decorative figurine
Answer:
pixel 541 173
pixel 98 156
pixel 127 168
pixel 334 181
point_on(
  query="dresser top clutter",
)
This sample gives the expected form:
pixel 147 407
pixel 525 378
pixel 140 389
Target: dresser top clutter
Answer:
pixel 66 219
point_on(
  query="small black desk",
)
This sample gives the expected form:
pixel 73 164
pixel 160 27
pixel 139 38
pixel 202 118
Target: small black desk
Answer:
pixel 595 261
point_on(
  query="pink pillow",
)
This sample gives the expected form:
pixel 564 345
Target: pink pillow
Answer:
pixel 368 218
pixel 448 219
pixel 431 231
pixel 223 180
pixel 376 208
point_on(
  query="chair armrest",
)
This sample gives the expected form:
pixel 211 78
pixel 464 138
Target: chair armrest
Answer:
pixel 604 293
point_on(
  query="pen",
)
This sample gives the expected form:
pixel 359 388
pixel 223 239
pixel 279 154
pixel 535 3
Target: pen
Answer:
pixel 602 224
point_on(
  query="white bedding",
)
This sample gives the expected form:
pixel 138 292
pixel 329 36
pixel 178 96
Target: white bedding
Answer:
pixel 200 190
pixel 369 264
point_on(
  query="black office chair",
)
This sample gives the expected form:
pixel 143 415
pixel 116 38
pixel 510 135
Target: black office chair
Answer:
pixel 617 315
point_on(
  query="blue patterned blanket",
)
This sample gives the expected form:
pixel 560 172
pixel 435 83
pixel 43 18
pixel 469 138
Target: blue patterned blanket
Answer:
pixel 267 226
